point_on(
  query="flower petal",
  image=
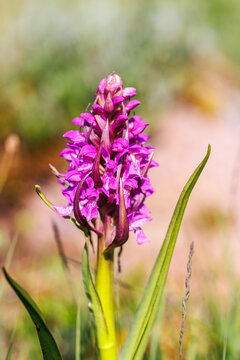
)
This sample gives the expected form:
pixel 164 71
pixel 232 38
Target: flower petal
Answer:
pixel 120 145
pixel 140 236
pixel 129 92
pixel 63 210
pixel 132 104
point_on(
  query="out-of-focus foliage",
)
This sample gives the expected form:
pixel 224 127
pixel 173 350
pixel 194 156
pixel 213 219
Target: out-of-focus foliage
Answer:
pixel 54 53
pixel 206 326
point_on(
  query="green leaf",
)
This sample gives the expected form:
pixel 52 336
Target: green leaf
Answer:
pixel 78 334
pixel 154 345
pixel 138 336
pixel 8 260
pixel 48 345
pixel 8 356
pixel 94 304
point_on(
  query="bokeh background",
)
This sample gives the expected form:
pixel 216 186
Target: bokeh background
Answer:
pixel 184 59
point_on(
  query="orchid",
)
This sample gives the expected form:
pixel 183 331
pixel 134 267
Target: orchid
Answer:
pixel 107 177
pixel 105 186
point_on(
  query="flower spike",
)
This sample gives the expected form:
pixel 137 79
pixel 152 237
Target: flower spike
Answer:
pixel 107 179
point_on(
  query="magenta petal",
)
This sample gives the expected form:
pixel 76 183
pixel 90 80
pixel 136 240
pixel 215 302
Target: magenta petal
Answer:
pixel 89 181
pixel 67 154
pixel 102 85
pixel 142 138
pixel 92 194
pixel 118 99
pixel 98 109
pixel 73 175
pixel 119 121
pixel 89 118
pixel 109 182
pixel 90 210
pixel 129 92
pixel 77 121
pixel 111 165
pixel 120 145
pixel 140 236
pixel 130 183
pixel 89 150
pixel 136 220
pixel 114 82
pixel 144 210
pixel 147 187
pixel 121 117
pixel 69 194
pixel 134 167
pixel 154 164
pixel 105 154
pixel 136 125
pixel 74 136
pixel 132 104
pixel 63 210
pixel 138 149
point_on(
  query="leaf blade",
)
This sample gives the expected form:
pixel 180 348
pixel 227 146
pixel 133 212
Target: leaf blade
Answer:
pixel 78 334
pixel 137 339
pixel 48 345
pixel 8 356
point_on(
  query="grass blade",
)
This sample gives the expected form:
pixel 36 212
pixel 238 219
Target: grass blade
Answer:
pixel 8 261
pixel 225 348
pixel 138 336
pixel 78 334
pixel 8 356
pixel 48 345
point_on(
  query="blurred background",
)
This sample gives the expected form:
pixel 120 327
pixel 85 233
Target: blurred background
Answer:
pixel 184 59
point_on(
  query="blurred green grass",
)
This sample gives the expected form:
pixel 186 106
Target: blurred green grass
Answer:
pixel 54 54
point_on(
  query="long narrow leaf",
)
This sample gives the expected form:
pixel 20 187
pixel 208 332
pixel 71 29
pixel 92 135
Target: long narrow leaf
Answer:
pixel 48 345
pixel 154 345
pixel 138 336
pixel 8 260
pixel 78 334
pixel 8 356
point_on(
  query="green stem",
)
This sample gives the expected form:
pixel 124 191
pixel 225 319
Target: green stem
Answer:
pixel 104 286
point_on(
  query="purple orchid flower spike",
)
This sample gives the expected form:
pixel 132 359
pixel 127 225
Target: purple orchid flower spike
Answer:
pixel 107 179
